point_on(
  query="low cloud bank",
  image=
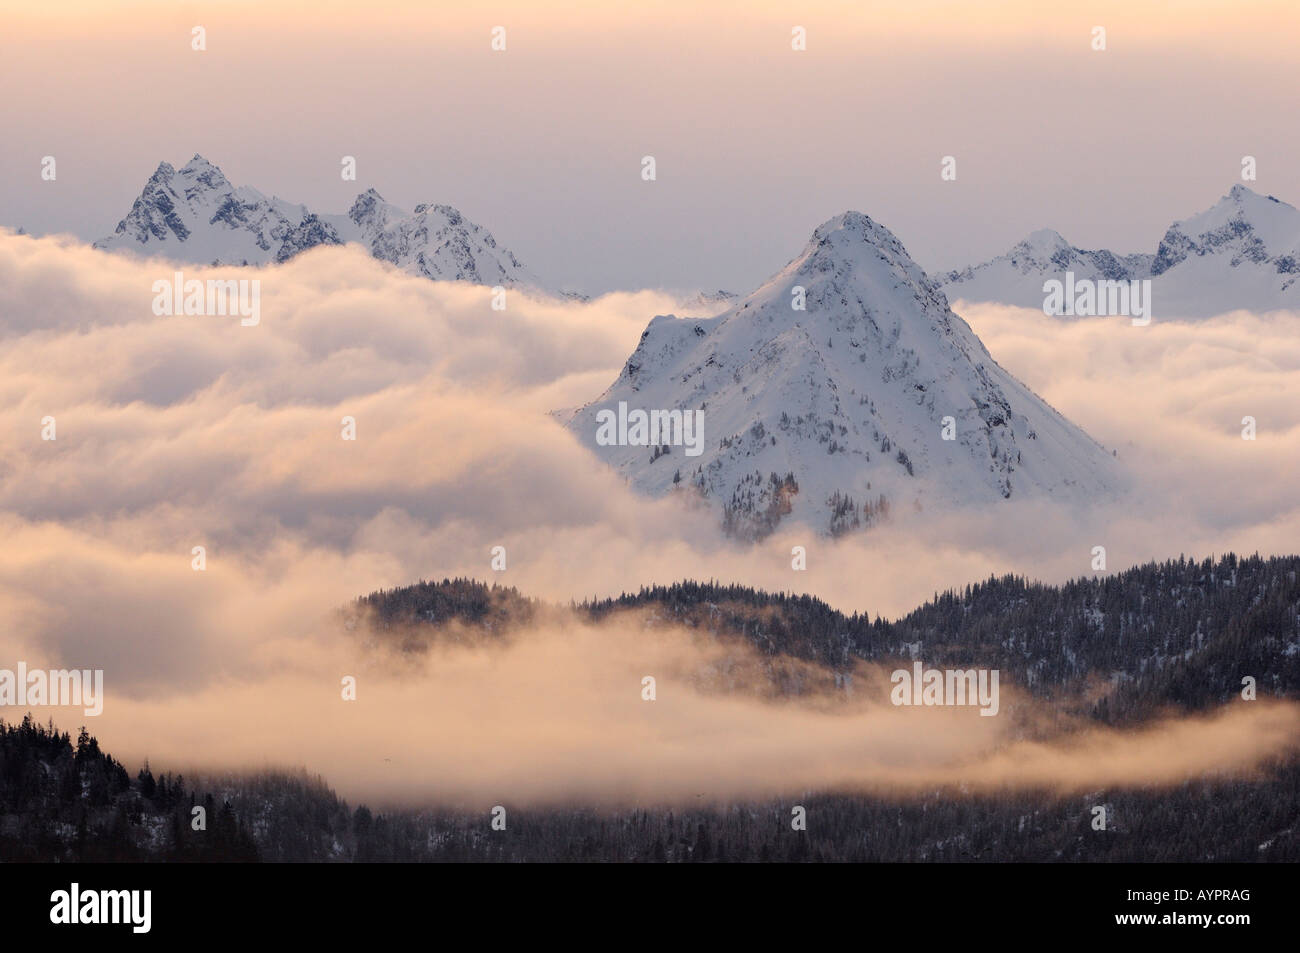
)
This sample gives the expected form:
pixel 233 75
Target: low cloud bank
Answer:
pixel 176 432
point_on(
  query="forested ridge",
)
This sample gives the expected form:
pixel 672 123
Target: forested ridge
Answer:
pixel 1180 633
pixel 65 802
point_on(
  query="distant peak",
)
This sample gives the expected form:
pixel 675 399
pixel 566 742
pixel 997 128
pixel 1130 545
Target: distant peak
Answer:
pixel 1045 238
pixel 850 221
pixel 853 227
pixel 841 237
pixel 1243 197
pixel 197 163
pixel 1240 204
pixel 849 257
pixel 365 206
pixel 203 172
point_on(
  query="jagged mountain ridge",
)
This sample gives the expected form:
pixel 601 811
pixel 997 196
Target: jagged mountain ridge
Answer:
pixel 194 214
pixel 1242 253
pixel 848 397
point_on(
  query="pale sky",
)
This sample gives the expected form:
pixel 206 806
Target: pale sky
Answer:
pixel 755 143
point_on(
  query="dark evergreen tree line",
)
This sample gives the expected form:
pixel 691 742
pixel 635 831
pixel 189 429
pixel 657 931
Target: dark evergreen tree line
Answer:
pixel 1180 632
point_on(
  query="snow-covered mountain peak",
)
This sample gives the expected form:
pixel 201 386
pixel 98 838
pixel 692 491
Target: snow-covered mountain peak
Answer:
pixel 195 214
pixel 438 242
pixel 1242 252
pixel 826 395
pixel 1246 198
pixel 200 168
pixel 852 239
pixel 851 226
pixel 1243 204
pixel 851 266
pixel 367 206
pixel 1246 226
pixel 1043 244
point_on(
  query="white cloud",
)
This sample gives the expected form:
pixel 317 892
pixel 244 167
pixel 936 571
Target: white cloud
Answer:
pixel 183 431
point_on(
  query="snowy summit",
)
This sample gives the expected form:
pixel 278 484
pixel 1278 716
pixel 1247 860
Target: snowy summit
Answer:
pixel 837 413
pixel 1242 253
pixel 194 214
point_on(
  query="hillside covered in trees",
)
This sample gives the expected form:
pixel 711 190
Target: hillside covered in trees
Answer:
pixel 1117 649
pixel 66 802
pixel 60 802
pixel 1180 632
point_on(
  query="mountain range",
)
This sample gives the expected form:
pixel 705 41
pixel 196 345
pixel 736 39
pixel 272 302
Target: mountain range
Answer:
pixel 841 389
pixel 194 214
pixel 1241 253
